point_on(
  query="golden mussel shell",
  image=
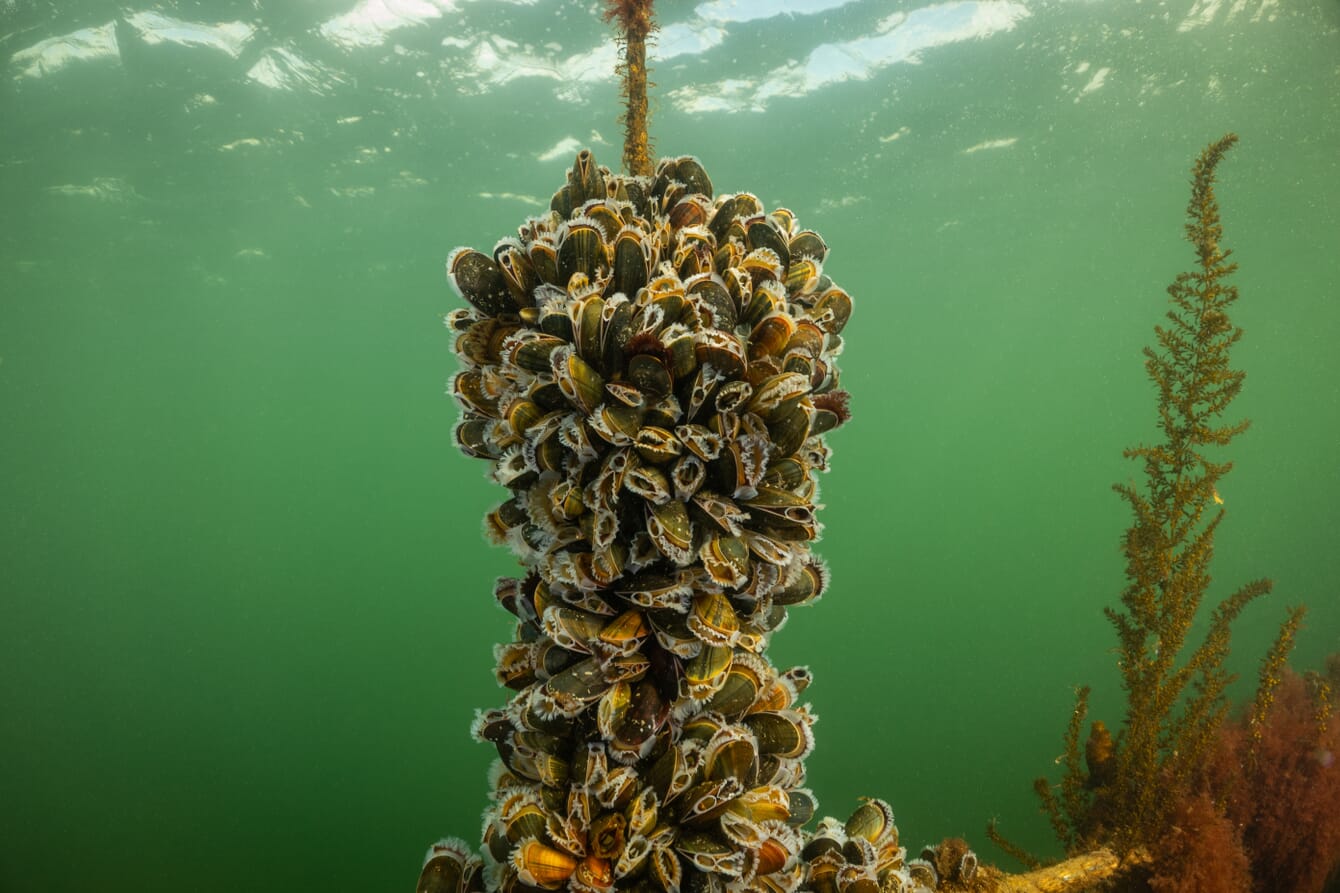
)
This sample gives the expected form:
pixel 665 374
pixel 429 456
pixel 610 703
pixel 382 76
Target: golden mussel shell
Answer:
pixel 713 619
pixel 741 467
pixel 762 265
pixel 732 396
pixel 531 350
pixel 576 687
pixel 707 800
pixel 771 334
pixel 732 753
pixel 607 836
pixel 543 257
pixel 629 627
pixel 671 531
pixel 671 629
pixel 467 386
pixel 922 872
pixel 451 867
pixel 695 252
pixel 802 276
pixel 705 382
pixel 766 803
pixel 616 330
pixel 657 591
pixel 786 473
pixel 605 215
pixel 586 327
pixel 522 814
pixel 633 857
pixel 705 672
pixel 873 821
pixel 580 383
pixel 701 441
pixel 681 351
pixel 764 299
pixel 740 687
pixel 617 788
pixel 544 866
pixel 617 423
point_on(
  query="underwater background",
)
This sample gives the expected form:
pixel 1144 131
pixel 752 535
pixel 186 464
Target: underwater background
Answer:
pixel 246 610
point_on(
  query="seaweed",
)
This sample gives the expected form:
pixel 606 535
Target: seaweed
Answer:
pixel 1125 790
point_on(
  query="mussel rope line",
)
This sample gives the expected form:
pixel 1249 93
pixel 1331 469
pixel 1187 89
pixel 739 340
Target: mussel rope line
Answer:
pixel 635 23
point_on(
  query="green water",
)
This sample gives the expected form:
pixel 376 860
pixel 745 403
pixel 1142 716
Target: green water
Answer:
pixel 245 606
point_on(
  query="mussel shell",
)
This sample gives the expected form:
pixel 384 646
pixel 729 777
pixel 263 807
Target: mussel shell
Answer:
pixel 585 180
pixel 646 715
pixel 649 375
pixel 690 172
pixel 807 587
pixel 666 870
pixel 784 734
pixel 477 278
pixel 581 249
pixel 808 244
pixel 705 673
pixel 543 866
pixel 831 310
pixel 732 753
pixel 632 262
pixel 450 867
pixel 763 233
pixel 872 821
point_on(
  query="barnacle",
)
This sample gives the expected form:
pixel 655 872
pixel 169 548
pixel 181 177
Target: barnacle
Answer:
pixel 650 372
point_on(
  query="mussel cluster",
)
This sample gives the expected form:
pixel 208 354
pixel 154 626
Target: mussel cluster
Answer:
pixel 650 372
